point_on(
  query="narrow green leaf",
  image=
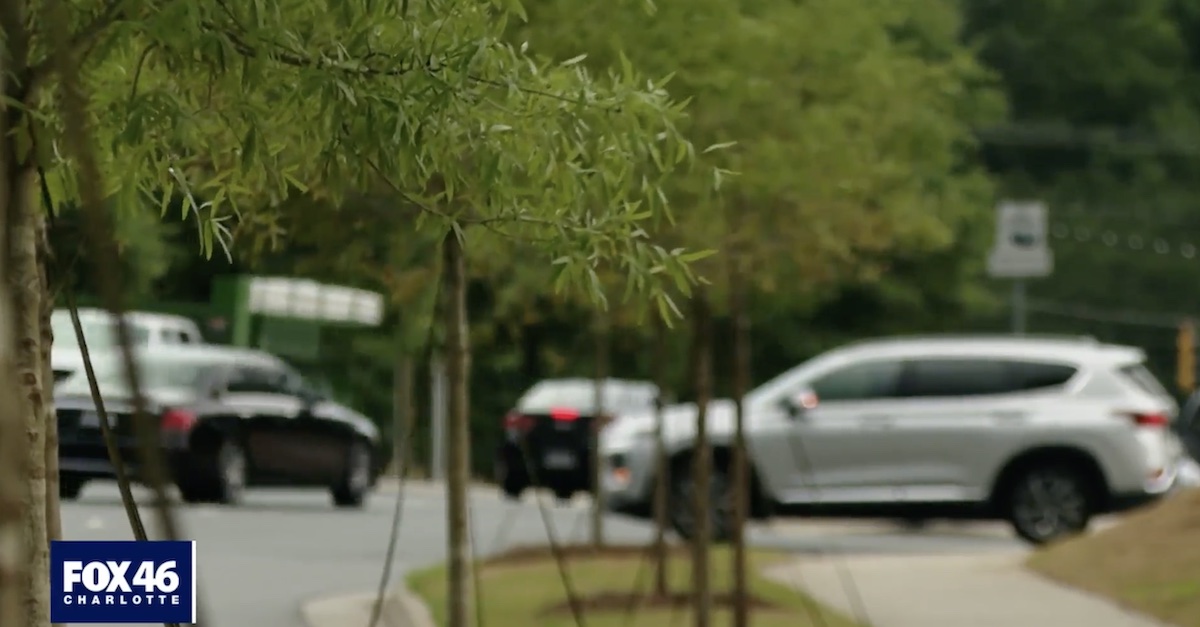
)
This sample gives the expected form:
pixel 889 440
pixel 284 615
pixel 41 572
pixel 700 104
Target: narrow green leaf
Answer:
pixel 165 197
pixel 249 149
pixel 696 256
pixel 720 146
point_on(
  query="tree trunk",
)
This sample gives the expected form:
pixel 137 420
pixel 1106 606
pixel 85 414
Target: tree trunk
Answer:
pixel 24 553
pixel 15 563
pixel 600 417
pixel 24 280
pixel 403 409
pixel 741 475
pixel 662 479
pixel 702 461
pixel 50 419
pixel 458 599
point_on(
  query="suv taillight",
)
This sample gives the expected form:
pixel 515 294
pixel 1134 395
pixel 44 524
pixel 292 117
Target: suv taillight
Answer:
pixel 177 420
pixel 1149 419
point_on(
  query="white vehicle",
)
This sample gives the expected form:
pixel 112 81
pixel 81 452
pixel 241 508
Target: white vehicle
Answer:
pixel 147 330
pixel 1042 432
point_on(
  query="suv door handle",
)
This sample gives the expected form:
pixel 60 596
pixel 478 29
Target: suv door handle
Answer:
pixel 1012 414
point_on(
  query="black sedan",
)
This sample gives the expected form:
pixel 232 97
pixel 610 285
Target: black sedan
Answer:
pixel 548 435
pixel 228 418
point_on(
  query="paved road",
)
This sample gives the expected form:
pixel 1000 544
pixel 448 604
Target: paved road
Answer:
pixel 260 561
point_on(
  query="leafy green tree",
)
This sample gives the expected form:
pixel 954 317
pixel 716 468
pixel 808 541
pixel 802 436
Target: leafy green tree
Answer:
pixel 1105 134
pixel 847 125
pixel 235 107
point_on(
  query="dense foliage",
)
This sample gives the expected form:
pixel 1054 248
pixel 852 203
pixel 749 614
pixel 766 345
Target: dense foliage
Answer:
pixel 854 174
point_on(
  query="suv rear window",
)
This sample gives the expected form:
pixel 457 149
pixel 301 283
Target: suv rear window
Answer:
pixel 955 377
pixel 1144 380
pixel 1032 375
pixel 958 377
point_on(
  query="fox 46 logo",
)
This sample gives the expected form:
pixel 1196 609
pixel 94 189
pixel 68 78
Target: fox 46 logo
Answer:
pixel 123 582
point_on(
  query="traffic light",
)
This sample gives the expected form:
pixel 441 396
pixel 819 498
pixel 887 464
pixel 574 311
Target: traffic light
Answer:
pixel 1185 369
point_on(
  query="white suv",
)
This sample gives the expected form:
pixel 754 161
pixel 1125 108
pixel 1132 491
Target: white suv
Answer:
pixel 1042 432
pixel 99 329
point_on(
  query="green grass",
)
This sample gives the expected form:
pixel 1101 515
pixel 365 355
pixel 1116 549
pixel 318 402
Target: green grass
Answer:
pixel 526 591
pixel 1150 562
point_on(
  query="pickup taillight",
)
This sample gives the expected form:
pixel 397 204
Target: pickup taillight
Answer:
pixel 517 422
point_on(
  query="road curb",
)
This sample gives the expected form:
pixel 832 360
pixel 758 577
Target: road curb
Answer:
pixel 401 608
pixel 405 609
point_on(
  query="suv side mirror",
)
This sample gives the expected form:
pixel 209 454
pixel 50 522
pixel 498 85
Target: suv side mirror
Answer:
pixel 800 401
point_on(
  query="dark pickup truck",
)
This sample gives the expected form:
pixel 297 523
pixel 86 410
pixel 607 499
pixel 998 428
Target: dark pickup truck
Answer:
pixel 548 435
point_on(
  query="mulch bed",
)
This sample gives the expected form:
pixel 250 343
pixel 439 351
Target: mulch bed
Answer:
pixel 627 601
pixel 540 553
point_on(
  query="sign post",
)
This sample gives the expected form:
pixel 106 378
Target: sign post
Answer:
pixel 1021 251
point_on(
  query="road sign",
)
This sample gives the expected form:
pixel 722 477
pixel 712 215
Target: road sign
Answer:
pixel 1021 250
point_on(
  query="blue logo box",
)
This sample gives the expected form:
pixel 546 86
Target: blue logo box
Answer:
pixel 123 581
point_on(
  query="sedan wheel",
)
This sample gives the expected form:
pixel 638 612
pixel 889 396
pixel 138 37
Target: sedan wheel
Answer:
pixel 231 473
pixel 70 486
pixel 356 482
pixel 1048 504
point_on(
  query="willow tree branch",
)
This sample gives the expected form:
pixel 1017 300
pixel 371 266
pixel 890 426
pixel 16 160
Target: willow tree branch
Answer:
pixel 110 440
pixel 78 43
pixel 99 231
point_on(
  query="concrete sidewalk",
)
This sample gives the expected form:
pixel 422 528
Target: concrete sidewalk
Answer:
pixel 401 608
pixel 949 591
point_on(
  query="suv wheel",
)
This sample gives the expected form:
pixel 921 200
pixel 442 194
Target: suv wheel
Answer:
pixel 1048 503
pixel 682 509
pixel 192 492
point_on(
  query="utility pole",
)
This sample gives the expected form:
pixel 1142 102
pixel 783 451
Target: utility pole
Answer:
pixel 1018 307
